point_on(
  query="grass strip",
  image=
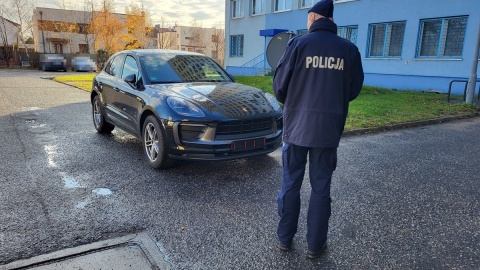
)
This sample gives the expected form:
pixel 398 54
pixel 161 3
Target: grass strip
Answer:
pixel 374 106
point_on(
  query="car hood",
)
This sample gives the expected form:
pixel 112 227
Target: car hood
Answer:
pixel 232 100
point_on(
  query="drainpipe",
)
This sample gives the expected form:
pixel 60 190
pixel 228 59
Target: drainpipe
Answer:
pixel 473 76
pixel 43 38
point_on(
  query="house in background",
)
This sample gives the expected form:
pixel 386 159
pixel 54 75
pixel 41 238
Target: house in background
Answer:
pixel 207 41
pixel 8 38
pixel 62 31
pixel 70 31
pixel 410 44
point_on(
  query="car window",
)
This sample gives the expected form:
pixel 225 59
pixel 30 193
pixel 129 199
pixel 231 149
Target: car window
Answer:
pixel 130 67
pixel 108 65
pixel 116 66
pixel 171 68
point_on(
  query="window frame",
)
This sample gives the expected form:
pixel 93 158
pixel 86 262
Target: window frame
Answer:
pixel 263 7
pixel 85 46
pixel 303 3
pixel 121 59
pixel 83 28
pixel 137 74
pixel 385 38
pixel 239 47
pixel 284 8
pixel 301 32
pixel 344 30
pixel 233 11
pixel 442 40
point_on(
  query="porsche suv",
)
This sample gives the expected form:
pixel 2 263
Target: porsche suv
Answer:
pixel 183 105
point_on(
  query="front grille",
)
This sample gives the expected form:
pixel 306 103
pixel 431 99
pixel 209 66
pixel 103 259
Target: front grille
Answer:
pixel 240 127
pixel 189 131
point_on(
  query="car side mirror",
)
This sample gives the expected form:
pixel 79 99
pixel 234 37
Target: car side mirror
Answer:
pixel 131 78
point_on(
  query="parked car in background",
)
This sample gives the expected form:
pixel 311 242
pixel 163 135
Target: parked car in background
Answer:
pixel 52 62
pixel 83 63
pixel 183 105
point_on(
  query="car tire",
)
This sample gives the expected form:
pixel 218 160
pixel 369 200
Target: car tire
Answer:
pixel 154 144
pixel 98 117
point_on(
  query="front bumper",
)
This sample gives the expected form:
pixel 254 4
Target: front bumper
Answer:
pixel 202 141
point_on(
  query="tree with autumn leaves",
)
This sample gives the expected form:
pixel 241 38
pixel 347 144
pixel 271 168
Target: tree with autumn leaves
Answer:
pixel 107 28
pixel 139 27
pixel 115 32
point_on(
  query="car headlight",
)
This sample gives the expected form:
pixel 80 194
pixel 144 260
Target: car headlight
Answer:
pixel 184 107
pixel 273 101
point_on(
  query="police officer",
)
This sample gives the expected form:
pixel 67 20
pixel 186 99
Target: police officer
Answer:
pixel 316 78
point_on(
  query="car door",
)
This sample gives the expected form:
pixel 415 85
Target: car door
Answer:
pixel 110 87
pixel 128 96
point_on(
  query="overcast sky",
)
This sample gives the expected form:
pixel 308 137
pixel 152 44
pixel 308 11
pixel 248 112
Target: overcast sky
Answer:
pixel 208 13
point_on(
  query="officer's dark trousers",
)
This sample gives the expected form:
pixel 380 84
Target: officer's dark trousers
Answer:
pixel 322 163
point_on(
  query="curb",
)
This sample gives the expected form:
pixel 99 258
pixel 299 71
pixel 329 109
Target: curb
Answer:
pixel 412 124
pixel 140 249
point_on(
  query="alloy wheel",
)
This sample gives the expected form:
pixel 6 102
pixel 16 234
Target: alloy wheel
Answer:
pixel 151 142
pixel 97 114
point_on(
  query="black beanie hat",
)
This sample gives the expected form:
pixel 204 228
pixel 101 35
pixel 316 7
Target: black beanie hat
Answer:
pixel 324 8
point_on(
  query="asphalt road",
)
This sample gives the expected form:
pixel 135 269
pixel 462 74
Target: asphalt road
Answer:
pixel 407 199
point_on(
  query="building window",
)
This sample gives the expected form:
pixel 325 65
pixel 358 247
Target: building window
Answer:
pixel 442 37
pixel 215 54
pixel 82 28
pixel 307 3
pixel 188 38
pixel 302 32
pixel 58 47
pixel 386 39
pixel 282 5
pixel 83 48
pixel 236 8
pixel 236 45
pixel 258 6
pixel 348 32
pixel 58 26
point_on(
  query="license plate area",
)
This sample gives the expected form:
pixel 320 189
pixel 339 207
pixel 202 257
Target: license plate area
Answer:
pixel 244 145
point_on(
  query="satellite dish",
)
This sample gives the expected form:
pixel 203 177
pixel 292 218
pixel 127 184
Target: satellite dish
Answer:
pixel 276 47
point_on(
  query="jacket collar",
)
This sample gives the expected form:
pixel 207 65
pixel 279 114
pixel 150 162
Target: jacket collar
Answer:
pixel 323 24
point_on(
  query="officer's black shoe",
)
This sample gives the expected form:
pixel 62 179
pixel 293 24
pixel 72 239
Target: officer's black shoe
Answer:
pixel 315 255
pixel 285 247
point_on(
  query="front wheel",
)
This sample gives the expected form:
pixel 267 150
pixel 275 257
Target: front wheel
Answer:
pixel 154 146
pixel 98 118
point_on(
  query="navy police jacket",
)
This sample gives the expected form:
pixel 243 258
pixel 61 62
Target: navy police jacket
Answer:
pixel 316 78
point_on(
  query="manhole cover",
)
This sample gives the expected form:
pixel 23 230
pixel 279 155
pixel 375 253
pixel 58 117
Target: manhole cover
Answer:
pixel 137 251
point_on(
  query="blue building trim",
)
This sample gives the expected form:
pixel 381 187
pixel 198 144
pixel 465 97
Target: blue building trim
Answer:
pixel 409 70
pixel 271 32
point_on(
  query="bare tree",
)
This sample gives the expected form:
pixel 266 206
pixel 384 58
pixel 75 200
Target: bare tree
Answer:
pixel 197 37
pixel 218 40
pixel 22 12
pixel 166 35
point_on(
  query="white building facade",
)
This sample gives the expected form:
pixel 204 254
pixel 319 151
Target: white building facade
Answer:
pixel 207 41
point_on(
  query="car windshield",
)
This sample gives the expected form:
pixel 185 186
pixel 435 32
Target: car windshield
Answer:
pixel 172 68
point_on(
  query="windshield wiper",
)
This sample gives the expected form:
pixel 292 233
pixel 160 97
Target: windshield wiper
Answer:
pixel 210 81
pixel 165 82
